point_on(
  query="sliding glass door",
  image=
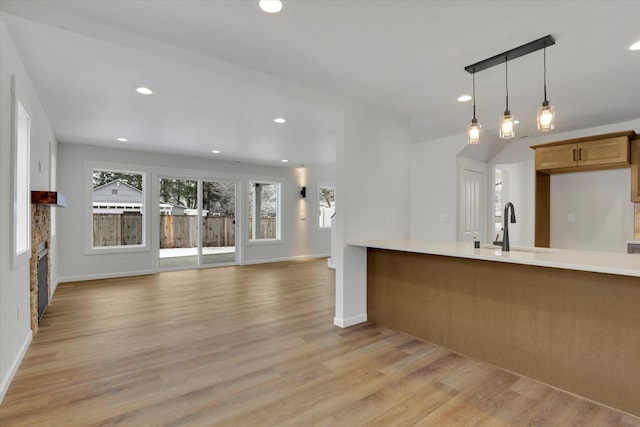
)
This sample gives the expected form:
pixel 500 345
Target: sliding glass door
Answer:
pixel 197 223
pixel 218 222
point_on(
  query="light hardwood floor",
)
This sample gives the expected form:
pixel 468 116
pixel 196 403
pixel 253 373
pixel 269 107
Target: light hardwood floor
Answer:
pixel 256 346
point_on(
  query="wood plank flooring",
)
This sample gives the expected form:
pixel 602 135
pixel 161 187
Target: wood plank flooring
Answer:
pixel 256 346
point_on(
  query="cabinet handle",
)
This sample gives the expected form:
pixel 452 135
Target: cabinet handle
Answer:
pixel 580 154
pixel 574 155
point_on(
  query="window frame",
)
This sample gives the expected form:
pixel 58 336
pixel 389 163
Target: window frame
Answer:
pixel 268 181
pixel 20 185
pixel 145 246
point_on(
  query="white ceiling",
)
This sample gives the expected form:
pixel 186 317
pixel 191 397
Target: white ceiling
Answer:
pixel 222 70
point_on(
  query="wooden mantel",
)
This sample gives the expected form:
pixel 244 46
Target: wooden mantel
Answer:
pixel 50 198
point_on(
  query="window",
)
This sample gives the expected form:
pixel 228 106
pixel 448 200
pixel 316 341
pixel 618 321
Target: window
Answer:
pixel 117 208
pixel 21 187
pixel 264 211
pixel 326 205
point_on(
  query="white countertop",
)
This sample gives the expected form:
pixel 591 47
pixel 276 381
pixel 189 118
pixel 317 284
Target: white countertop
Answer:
pixel 598 262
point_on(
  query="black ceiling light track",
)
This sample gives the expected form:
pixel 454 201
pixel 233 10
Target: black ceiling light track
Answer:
pixel 509 55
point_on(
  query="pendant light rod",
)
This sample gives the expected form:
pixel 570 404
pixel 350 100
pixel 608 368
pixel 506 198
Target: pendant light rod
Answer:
pixel 511 54
pixel 544 55
pixel 474 95
pixel 506 85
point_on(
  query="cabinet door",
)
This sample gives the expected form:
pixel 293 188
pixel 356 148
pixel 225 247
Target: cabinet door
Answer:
pixel 635 170
pixel 558 156
pixel 604 152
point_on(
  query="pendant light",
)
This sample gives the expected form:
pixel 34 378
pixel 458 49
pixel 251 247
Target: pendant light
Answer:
pixel 506 125
pixel 473 131
pixel 546 113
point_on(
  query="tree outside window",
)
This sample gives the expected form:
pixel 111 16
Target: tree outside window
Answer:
pixel 326 205
pixel 264 211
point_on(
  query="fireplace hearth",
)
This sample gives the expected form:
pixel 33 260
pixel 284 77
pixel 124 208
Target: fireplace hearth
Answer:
pixel 43 279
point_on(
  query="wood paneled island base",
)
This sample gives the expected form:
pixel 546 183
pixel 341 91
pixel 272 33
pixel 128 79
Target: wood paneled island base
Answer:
pixel 575 330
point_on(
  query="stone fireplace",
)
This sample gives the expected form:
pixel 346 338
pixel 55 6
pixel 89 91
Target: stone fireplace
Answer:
pixel 40 235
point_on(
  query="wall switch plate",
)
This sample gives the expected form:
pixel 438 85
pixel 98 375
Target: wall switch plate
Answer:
pixel 571 218
pixel 444 217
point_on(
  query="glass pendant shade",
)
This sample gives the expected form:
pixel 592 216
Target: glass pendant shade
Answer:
pixel 473 132
pixel 546 117
pixel 506 126
pixel 546 113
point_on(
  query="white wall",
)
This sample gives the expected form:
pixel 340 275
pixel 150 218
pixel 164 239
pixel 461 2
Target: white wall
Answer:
pixel 15 333
pixel 434 188
pixel 600 204
pixel 300 237
pixel 372 198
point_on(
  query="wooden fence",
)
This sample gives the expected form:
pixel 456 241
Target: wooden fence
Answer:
pixel 180 231
pixel 267 228
pixel 176 231
pixel 117 229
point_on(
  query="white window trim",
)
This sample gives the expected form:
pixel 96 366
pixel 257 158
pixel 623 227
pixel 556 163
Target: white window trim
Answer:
pixel 90 166
pixel 19 257
pixel 278 239
pixel 320 184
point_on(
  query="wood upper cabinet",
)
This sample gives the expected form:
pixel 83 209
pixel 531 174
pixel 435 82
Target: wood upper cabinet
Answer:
pixel 604 152
pixel 557 156
pixel 592 153
pixel 635 170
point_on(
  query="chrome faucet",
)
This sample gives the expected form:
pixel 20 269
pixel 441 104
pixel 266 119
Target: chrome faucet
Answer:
pixel 505 225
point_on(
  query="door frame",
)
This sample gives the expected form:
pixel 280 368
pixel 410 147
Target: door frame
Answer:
pixel 167 174
pixel 464 163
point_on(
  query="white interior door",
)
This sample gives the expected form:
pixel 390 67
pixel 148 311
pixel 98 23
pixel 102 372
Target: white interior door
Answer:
pixel 471 218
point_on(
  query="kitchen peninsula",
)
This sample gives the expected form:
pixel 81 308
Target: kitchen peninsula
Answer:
pixel 563 317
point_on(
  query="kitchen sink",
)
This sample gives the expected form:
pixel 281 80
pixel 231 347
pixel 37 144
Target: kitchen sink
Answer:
pixel 523 249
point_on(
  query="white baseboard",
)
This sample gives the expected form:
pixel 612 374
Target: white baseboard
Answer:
pixel 104 276
pixel 350 321
pixel 6 381
pixel 293 258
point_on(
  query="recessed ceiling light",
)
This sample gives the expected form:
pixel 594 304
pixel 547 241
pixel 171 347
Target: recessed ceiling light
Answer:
pixel 215 151
pixel 515 122
pixel 270 6
pixel 279 120
pixel 122 139
pixel 284 161
pixel 464 98
pixel 144 90
pixel 635 46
